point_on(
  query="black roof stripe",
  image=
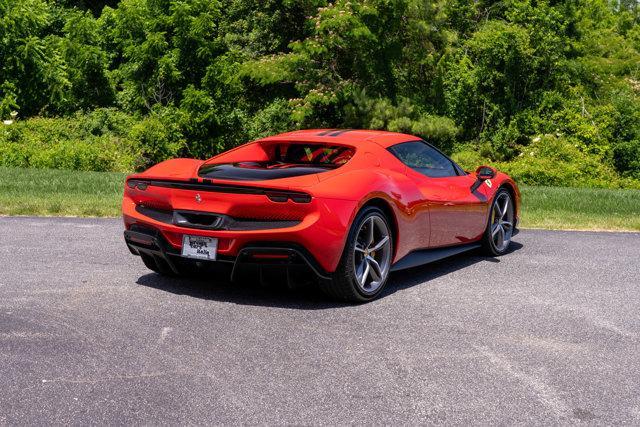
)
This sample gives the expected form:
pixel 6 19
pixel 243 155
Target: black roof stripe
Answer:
pixel 323 133
pixel 340 132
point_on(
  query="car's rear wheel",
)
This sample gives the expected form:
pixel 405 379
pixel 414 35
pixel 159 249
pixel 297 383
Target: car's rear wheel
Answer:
pixel 364 267
pixel 497 236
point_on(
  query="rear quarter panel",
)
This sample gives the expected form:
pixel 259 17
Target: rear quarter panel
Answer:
pixel 410 219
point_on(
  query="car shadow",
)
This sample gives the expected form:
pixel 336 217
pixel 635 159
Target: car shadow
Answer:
pixel 424 274
pixel 306 297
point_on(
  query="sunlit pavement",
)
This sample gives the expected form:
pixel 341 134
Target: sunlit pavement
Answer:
pixel 548 333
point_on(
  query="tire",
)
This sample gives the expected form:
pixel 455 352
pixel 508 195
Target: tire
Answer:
pixel 366 260
pixel 158 265
pixel 497 236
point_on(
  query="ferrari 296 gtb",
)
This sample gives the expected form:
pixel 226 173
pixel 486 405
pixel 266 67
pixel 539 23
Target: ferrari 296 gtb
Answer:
pixel 344 206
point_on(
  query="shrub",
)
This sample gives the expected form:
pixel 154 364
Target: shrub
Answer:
pixel 626 157
pixel 157 138
pixel 381 113
pixel 90 142
pixel 274 118
pixel 554 161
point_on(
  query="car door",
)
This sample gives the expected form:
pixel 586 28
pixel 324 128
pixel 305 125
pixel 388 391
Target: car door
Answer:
pixel 457 214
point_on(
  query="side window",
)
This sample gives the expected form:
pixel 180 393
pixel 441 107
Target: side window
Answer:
pixel 424 159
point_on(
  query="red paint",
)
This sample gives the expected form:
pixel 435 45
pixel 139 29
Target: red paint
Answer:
pixel 427 212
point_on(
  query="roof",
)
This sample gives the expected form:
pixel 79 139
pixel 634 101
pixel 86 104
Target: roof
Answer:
pixel 345 136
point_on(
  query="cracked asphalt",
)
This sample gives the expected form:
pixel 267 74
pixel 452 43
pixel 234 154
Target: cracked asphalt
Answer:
pixel 549 333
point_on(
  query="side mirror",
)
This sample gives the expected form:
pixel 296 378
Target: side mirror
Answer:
pixel 483 173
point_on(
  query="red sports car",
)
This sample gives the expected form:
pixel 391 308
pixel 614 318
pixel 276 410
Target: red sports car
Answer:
pixel 350 206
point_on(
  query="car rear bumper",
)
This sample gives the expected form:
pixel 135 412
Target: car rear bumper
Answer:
pixel 285 255
pixel 317 240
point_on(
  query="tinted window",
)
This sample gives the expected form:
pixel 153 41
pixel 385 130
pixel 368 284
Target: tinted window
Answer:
pixel 424 159
pixel 313 154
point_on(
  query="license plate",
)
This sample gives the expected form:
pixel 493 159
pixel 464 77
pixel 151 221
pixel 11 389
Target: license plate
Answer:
pixel 199 247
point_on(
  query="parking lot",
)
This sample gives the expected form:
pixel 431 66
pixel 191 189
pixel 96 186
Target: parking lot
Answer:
pixel 548 333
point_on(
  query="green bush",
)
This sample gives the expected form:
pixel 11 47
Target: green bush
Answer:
pixel 553 161
pixel 404 116
pixel 91 142
pixel 156 138
pixel 626 157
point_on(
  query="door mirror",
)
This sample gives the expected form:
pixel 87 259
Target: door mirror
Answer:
pixel 484 173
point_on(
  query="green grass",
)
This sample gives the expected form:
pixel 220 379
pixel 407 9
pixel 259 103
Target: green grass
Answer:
pixel 72 193
pixel 580 208
pixel 60 192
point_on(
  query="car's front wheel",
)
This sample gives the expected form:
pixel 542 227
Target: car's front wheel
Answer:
pixel 364 267
pixel 497 236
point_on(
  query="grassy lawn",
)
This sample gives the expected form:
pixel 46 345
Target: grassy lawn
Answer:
pixel 59 193
pixel 580 208
pixel 70 193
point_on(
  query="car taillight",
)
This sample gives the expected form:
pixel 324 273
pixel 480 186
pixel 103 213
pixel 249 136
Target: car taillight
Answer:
pixel 283 197
pixel 134 183
pixel 300 198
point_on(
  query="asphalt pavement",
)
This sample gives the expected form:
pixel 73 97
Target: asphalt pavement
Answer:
pixel 549 333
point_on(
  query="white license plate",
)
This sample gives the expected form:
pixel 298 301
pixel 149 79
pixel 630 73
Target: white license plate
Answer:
pixel 199 247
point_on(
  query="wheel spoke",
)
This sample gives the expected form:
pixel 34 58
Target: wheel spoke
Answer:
pixel 504 208
pixel 371 227
pixel 363 272
pixel 500 242
pixel 506 223
pixel 376 271
pixel 380 244
pixel 496 213
pixel 359 249
pixel 495 229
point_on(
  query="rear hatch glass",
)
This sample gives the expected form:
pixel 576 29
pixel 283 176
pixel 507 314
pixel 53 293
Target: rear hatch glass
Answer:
pixel 286 161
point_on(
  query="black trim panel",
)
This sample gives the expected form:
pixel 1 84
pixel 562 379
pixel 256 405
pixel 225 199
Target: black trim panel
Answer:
pixel 212 221
pixel 296 254
pixel 426 256
pixel 207 185
pixel 340 132
pixel 260 171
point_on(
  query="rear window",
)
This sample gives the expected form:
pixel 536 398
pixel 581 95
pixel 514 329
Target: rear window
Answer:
pixel 313 154
pixel 284 161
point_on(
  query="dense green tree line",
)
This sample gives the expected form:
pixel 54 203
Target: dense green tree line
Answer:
pixel 548 89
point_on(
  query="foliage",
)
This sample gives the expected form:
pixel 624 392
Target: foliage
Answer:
pixel 157 137
pixel 96 141
pixel 552 161
pixel 548 90
pixel 404 117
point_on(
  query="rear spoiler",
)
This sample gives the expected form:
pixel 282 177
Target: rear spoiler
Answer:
pixel 274 194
